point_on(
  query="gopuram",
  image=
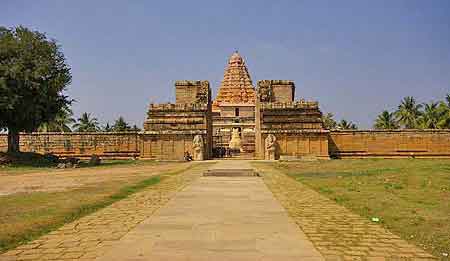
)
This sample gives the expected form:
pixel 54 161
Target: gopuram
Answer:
pixel 265 122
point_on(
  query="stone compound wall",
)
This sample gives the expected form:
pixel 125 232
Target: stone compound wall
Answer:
pixel 300 144
pixel 339 144
pixel 80 144
pixel 390 144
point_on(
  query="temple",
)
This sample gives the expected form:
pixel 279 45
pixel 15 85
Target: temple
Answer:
pixel 242 121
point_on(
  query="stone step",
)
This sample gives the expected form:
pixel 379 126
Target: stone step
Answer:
pixel 231 173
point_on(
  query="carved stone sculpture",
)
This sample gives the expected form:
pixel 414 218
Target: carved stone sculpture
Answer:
pixel 271 147
pixel 265 91
pixel 198 147
pixel 235 142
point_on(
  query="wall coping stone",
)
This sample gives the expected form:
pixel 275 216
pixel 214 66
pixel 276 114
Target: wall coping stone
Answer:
pixel 75 133
pixel 274 131
pixel 392 131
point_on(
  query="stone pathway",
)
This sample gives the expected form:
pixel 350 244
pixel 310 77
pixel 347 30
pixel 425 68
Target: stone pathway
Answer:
pixel 92 235
pixel 338 233
pixel 218 218
pixel 221 218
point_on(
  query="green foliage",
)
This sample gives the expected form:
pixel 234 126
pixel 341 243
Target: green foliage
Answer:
pixel 328 121
pixel 408 113
pixel 121 125
pixel 61 123
pixel 386 121
pixel 107 127
pixel 444 113
pixel 33 76
pixel 86 124
pixel 346 125
pixel 409 196
pixel 431 116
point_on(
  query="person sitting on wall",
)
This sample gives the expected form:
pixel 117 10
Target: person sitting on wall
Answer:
pixel 187 156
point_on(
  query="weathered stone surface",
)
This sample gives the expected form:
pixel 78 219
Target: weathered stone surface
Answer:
pixel 218 218
pixel 276 90
pixel 171 131
pixel 270 147
pixel 189 92
pixel 198 147
pixel 390 144
pixel 236 86
pixel 79 144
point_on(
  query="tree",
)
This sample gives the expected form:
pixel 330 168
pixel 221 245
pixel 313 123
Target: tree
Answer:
pixel 431 116
pixel 135 128
pixel 86 124
pixel 346 125
pixel 107 128
pixel 61 123
pixel 328 121
pixel 444 112
pixel 386 121
pixel 33 76
pixel 408 113
pixel 121 125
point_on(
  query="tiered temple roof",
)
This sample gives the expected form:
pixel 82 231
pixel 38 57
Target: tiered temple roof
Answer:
pixel 236 86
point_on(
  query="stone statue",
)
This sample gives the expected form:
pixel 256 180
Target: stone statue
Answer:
pixel 198 147
pixel 235 142
pixel 270 147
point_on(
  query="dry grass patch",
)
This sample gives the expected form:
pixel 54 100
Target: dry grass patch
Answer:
pixel 25 216
pixel 411 197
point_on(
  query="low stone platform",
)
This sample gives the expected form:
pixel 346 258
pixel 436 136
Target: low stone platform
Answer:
pixel 231 173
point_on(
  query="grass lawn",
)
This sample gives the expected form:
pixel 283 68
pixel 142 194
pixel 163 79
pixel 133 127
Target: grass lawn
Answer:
pixel 25 216
pixel 411 197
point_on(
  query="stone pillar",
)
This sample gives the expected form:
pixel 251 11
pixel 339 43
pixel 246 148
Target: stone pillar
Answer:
pixel 259 152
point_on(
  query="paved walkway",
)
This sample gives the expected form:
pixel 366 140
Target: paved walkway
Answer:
pixel 218 218
pixel 338 233
pixel 92 235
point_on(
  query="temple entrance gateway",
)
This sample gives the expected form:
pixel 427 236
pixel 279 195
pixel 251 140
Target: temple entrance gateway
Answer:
pixel 241 122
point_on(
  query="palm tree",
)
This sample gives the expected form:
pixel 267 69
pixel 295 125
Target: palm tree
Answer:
pixel 86 124
pixel 328 121
pixel 60 123
pixel 386 121
pixel 444 112
pixel 408 113
pixel 107 127
pixel 346 125
pixel 431 116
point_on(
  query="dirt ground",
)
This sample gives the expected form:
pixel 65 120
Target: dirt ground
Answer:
pixel 64 179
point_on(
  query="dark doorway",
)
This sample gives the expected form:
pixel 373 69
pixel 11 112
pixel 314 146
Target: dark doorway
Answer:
pixel 236 112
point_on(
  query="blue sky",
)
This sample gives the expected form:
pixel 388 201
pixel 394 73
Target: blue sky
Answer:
pixel 356 57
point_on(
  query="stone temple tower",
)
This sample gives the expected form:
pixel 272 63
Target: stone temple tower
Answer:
pixel 234 108
pixel 236 86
